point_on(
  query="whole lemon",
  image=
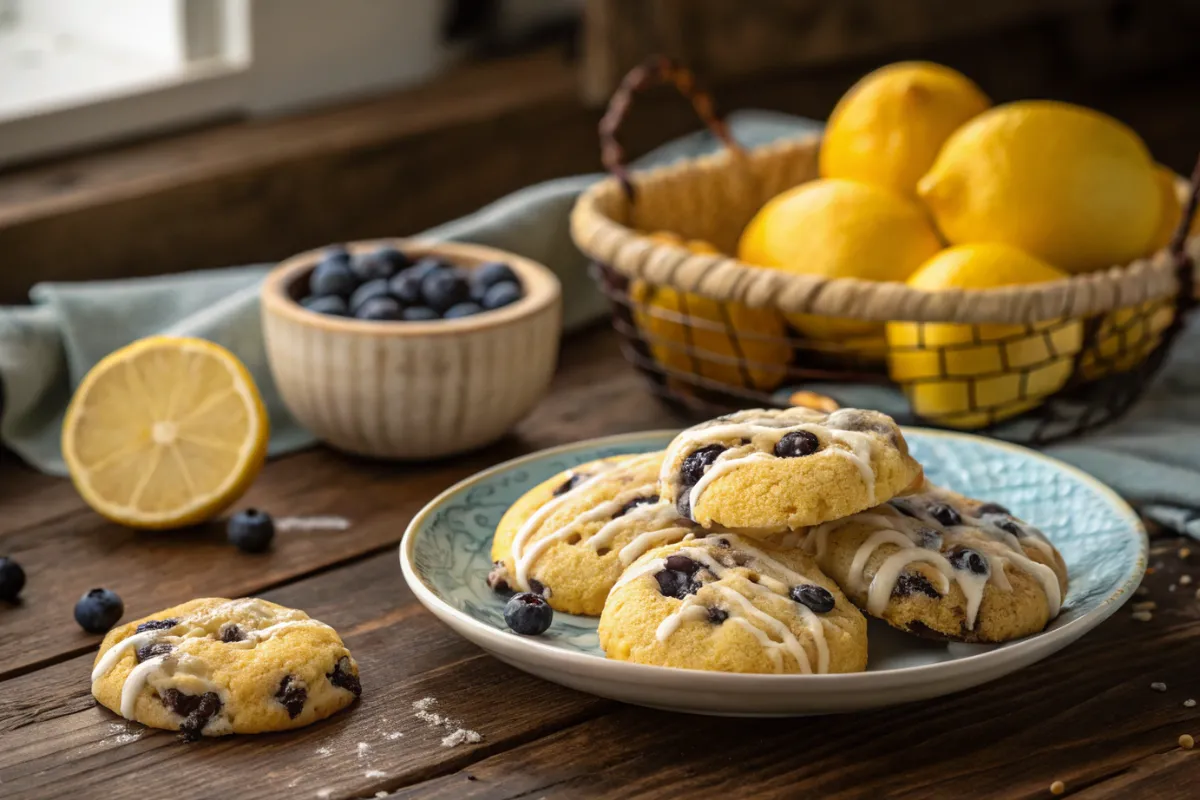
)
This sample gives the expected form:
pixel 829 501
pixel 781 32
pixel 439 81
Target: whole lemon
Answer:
pixel 888 128
pixel 1170 209
pixel 1067 184
pixel 729 343
pixel 840 229
pixel 967 376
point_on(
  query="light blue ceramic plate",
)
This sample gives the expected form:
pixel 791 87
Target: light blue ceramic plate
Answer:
pixel 445 558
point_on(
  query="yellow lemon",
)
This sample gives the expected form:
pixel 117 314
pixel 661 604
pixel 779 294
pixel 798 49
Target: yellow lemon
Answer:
pixel 1170 210
pixel 967 376
pixel 840 229
pixel 729 343
pixel 1069 185
pixel 888 128
pixel 164 433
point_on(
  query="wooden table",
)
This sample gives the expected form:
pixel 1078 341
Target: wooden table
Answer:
pixel 1087 716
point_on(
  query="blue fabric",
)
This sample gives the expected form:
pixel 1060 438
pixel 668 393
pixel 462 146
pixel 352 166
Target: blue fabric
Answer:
pixel 1152 457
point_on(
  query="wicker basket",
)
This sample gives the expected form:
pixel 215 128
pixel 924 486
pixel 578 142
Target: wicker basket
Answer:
pixel 1031 363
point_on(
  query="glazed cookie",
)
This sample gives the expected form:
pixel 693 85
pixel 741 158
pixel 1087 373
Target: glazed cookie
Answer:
pixel 941 565
pixel 213 666
pixel 732 604
pixel 765 471
pixel 570 537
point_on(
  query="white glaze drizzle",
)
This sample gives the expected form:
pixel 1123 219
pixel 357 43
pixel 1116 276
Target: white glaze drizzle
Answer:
pixel 742 611
pixel 997 546
pixel 135 680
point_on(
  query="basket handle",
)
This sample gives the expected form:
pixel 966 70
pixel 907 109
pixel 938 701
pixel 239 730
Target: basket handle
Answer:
pixel 654 71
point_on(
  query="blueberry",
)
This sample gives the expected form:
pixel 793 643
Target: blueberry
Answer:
pixel 965 558
pixel 492 273
pixel 332 276
pixel 992 508
pixel 502 294
pixel 251 531
pixel 157 625
pixel 672 583
pixel 327 304
pixel 418 314
pixel 1009 526
pixel 816 598
pixel 945 515
pixel 196 709
pixel 344 677
pixel 717 615
pixel 570 483
pixel 914 583
pixel 681 563
pixel 497 579
pixel 930 539
pixel 382 263
pixel 427 266
pixel 444 288
pixel 406 287
pixel 458 310
pixel 634 503
pixel 697 462
pixel 231 633
pixel 379 309
pixel 370 289
pixel 903 508
pixel 292 695
pixel 538 588
pixel 98 610
pixel 153 650
pixel 12 579
pixel 528 614
pixel 797 444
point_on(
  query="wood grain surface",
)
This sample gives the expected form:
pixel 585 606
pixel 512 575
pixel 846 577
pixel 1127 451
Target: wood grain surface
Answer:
pixel 1086 716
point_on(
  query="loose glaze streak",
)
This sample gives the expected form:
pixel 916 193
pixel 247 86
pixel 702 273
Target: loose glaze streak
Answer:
pixel 179 661
pixel 998 546
pixel 774 635
pixel 761 431
pixel 658 522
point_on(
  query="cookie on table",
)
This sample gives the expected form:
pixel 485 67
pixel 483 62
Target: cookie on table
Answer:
pixel 213 666
pixel 570 537
pixel 764 471
pixel 732 604
pixel 944 566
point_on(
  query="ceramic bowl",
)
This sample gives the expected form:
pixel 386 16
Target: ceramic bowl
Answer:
pixel 445 558
pixel 412 390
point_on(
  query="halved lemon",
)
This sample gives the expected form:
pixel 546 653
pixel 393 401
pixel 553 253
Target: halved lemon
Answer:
pixel 165 433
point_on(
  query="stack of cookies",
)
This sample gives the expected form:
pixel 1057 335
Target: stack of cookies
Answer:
pixel 757 541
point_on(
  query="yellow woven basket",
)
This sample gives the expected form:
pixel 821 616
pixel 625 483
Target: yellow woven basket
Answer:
pixel 707 329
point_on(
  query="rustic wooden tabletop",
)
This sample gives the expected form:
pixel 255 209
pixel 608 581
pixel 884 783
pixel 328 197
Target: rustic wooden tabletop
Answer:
pixel 1087 716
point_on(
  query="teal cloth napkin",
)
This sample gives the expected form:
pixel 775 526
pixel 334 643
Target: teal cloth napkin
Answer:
pixel 1152 457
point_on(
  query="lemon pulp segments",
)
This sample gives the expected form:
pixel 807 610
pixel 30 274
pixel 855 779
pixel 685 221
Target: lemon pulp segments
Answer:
pixel 165 432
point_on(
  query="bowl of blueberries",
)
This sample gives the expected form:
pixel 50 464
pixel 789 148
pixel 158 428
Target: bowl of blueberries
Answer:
pixel 405 349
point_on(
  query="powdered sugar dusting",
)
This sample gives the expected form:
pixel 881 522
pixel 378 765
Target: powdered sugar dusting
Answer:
pixel 374 773
pixel 324 751
pixel 393 736
pixel 323 794
pixel 461 736
pixel 312 524
pixel 364 749
pixel 124 735
pixel 423 710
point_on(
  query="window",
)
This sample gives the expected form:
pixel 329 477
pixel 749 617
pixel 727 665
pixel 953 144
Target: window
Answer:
pixel 82 72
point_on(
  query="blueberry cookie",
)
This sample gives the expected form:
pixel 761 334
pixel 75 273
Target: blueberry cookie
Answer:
pixel 732 604
pixel 570 537
pixel 213 666
pixel 765 471
pixel 943 566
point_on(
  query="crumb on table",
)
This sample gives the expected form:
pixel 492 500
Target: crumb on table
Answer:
pixel 1058 787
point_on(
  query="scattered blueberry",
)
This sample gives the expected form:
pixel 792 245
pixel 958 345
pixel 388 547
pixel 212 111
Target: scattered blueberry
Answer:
pixel 379 309
pixel 492 273
pixel 157 625
pixel 332 276
pixel 497 579
pixel 418 314
pixel 699 461
pixel 967 559
pixel 406 287
pixel 914 583
pixel 327 304
pixel 502 294
pixel 992 508
pixel 370 289
pixel 634 503
pixel 458 310
pixel 816 598
pixel 344 678
pixel 251 531
pixel 717 615
pixel 12 579
pixel 444 288
pixel 945 515
pixel 99 610
pixel 538 588
pixel 292 695
pixel 797 444
pixel 528 614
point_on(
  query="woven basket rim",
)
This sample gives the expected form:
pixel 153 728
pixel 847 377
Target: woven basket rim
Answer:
pixel 598 232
